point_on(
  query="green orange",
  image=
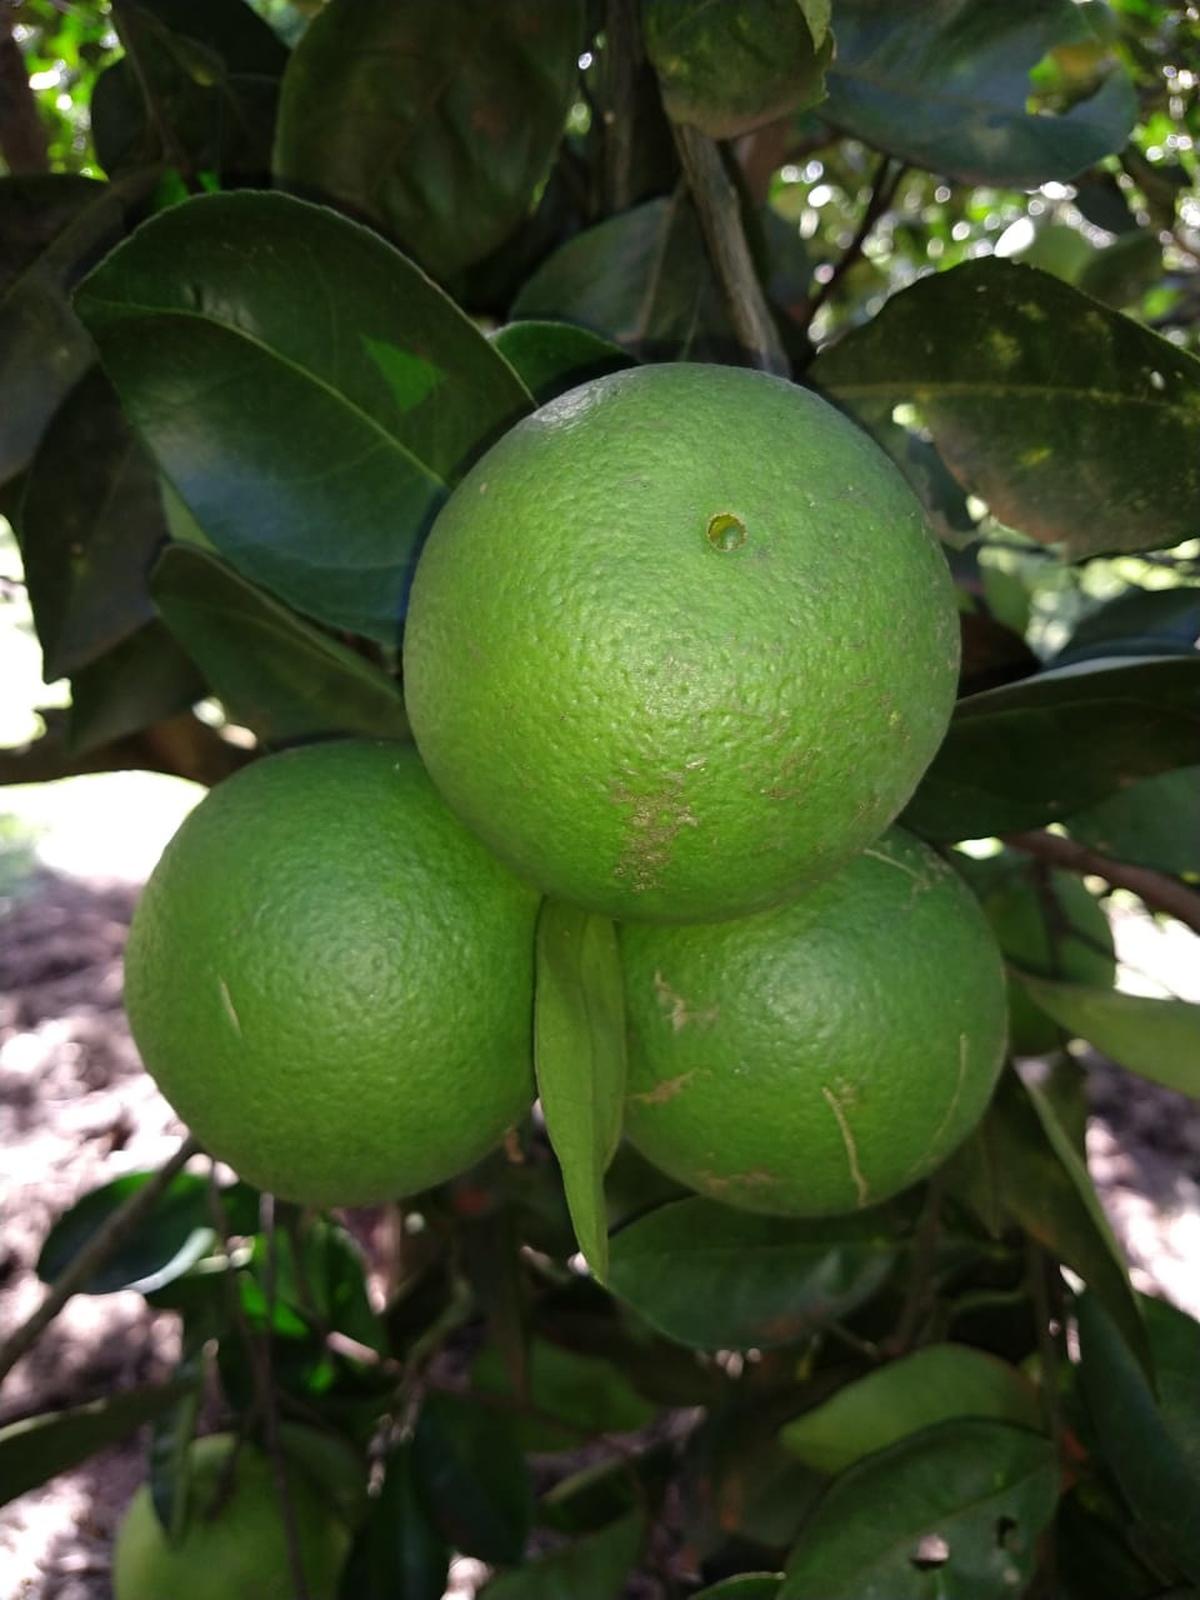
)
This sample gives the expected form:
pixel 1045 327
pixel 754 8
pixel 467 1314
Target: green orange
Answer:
pixel 331 979
pixel 233 1542
pixel 680 643
pixel 824 1055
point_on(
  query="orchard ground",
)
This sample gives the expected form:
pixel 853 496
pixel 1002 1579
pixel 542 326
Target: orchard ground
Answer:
pixel 78 1111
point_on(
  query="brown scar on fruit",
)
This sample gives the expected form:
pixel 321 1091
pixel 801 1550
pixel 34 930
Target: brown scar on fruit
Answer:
pixel 919 881
pixel 861 1187
pixel 680 1011
pixel 228 1006
pixel 664 1091
pixel 654 822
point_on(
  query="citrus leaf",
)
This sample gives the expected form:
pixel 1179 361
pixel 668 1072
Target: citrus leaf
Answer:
pixel 140 681
pixel 642 279
pixel 205 323
pixel 983 1490
pixel 38 1448
pixel 1036 751
pixel 718 1279
pixel 551 357
pixel 580 1057
pixel 935 1384
pixel 944 84
pixel 574 1396
pixel 1151 823
pixel 1159 1039
pixel 1140 622
pixel 91 520
pixel 397 1551
pixel 436 122
pixel 1156 1476
pixel 596 1566
pixel 1073 422
pixel 473 1477
pixel 729 69
pixel 746 1586
pixel 276 673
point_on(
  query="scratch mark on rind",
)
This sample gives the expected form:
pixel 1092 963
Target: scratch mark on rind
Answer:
pixel 861 1187
pixel 229 1007
pixel 948 1114
pixel 664 1091
pixel 677 1008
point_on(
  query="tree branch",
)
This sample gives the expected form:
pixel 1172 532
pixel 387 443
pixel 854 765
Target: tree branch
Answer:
pixel 719 210
pixel 23 142
pixel 103 1243
pixel 622 60
pixel 883 192
pixel 1159 890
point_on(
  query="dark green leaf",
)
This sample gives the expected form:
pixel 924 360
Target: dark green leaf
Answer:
pixel 1152 823
pixel 597 1495
pixel 276 673
pixel 1160 1039
pixel 1122 274
pixel 596 1566
pixel 580 1056
pixel 944 84
pixel 231 29
pixel 746 1586
pixel 729 69
pixel 172 1238
pixel 1094 1558
pixel 934 1384
pixel 641 278
pixel 1140 622
pixel 434 122
pixel 1022 1151
pixel 318 1278
pixel 170 1441
pixel 397 1552
pixel 1036 751
pixel 551 357
pixel 473 1477
pixel 1175 1341
pixel 1073 422
pixel 91 520
pixel 313 451
pixel 38 1448
pixel 51 230
pixel 715 1278
pixel 139 682
pixel 983 1490
pixel 1155 1474
pixel 575 1397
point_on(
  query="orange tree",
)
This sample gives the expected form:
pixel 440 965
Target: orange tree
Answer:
pixel 273 282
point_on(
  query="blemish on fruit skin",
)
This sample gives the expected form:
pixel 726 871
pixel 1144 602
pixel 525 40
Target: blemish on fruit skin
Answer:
pixel 228 1007
pixel 664 1091
pixel 862 1188
pixel 726 531
pixel 678 1010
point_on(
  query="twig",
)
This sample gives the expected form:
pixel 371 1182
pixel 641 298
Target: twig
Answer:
pixel 622 58
pixel 719 210
pixel 1159 890
pixel 925 1246
pixel 103 1243
pixel 270 1410
pixel 883 192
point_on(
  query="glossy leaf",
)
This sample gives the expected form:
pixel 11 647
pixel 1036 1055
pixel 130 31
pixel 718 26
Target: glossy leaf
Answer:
pixel 729 69
pixel 1024 1156
pixel 580 1057
pixel 944 84
pixel 642 279
pixel 36 1449
pixel 715 1278
pixel 985 1490
pixel 746 1586
pixel 573 1397
pixel 473 1477
pixel 1140 622
pixel 276 673
pixel 1074 423
pixel 141 681
pixel 205 323
pixel 1175 1341
pixel 91 521
pixel 1157 1477
pixel 434 122
pixel 596 1566
pixel 397 1551
pixel 1152 823
pixel 172 1238
pixel 1036 751
pixel 552 357
pixel 934 1384
pixel 1160 1039
pixel 52 229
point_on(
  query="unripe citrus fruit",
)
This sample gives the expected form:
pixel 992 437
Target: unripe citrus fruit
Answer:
pixel 233 1542
pixel 331 979
pixel 680 643
pixel 824 1055
pixel 1058 931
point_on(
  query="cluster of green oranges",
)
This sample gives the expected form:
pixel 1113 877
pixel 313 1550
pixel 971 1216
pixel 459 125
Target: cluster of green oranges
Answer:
pixel 680 647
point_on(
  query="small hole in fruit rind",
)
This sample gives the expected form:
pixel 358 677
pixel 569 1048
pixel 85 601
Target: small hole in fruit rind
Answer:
pixel 725 531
